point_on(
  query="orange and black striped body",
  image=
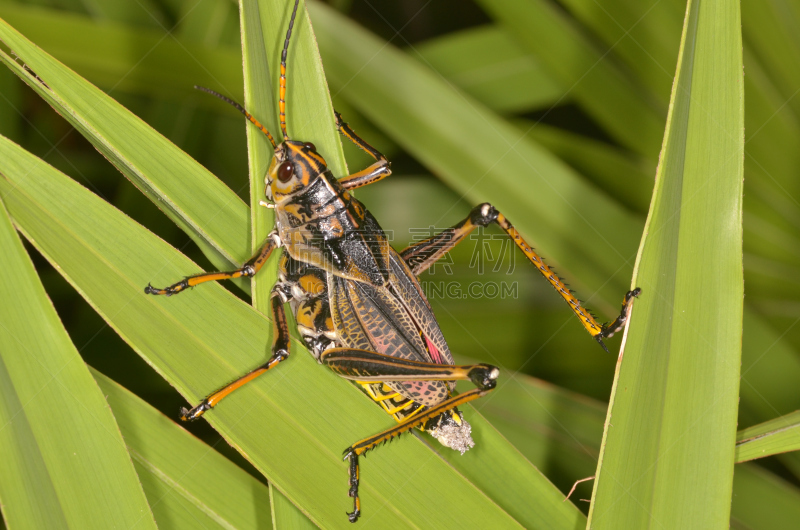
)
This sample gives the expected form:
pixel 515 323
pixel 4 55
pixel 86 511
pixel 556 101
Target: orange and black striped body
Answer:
pixel 347 287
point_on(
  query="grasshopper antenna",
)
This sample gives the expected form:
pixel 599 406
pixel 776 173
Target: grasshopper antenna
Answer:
pixel 282 100
pixel 240 109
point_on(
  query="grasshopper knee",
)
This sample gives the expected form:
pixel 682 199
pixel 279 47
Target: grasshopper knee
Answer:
pixel 483 214
pixel 484 376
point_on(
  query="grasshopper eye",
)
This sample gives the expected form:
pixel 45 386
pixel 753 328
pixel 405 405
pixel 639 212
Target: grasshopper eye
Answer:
pixel 310 146
pixel 285 172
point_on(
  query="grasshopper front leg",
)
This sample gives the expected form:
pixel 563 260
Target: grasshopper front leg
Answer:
pixel 249 269
pixel 381 169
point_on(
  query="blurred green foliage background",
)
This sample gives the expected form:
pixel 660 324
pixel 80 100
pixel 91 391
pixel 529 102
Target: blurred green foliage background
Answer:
pixel 588 82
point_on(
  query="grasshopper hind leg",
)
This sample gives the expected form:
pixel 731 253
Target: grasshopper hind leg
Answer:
pixel 420 256
pixel 353 481
pixel 370 366
pixel 423 419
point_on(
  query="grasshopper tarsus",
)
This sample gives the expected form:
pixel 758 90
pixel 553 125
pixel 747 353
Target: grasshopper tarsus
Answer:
pixel 195 412
pixel 610 328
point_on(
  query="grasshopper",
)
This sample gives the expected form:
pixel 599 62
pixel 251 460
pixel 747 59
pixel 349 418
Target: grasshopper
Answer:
pixel 356 302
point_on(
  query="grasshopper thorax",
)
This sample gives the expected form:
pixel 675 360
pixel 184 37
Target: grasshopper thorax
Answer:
pixel 294 166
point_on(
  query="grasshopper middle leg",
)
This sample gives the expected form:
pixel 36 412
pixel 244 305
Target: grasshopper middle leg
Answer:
pixel 280 352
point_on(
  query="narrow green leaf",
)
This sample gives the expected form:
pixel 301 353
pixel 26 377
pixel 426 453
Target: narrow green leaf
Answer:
pixel 309 112
pixel 775 436
pixel 187 483
pixel 261 102
pixel 64 463
pixel 767 428
pixel 605 90
pixel 179 186
pixel 486 63
pixel 258 20
pixel 668 446
pixel 292 425
pixel 285 514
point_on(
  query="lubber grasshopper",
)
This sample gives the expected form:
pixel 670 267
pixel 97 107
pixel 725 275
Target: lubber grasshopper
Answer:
pixel 356 302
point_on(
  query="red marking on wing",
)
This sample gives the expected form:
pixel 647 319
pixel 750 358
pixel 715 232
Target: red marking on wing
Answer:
pixel 433 351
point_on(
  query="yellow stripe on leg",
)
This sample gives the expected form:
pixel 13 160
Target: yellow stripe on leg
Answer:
pixel 361 447
pixel 588 321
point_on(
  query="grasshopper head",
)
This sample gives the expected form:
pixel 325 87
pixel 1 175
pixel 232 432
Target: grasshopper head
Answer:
pixel 294 166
